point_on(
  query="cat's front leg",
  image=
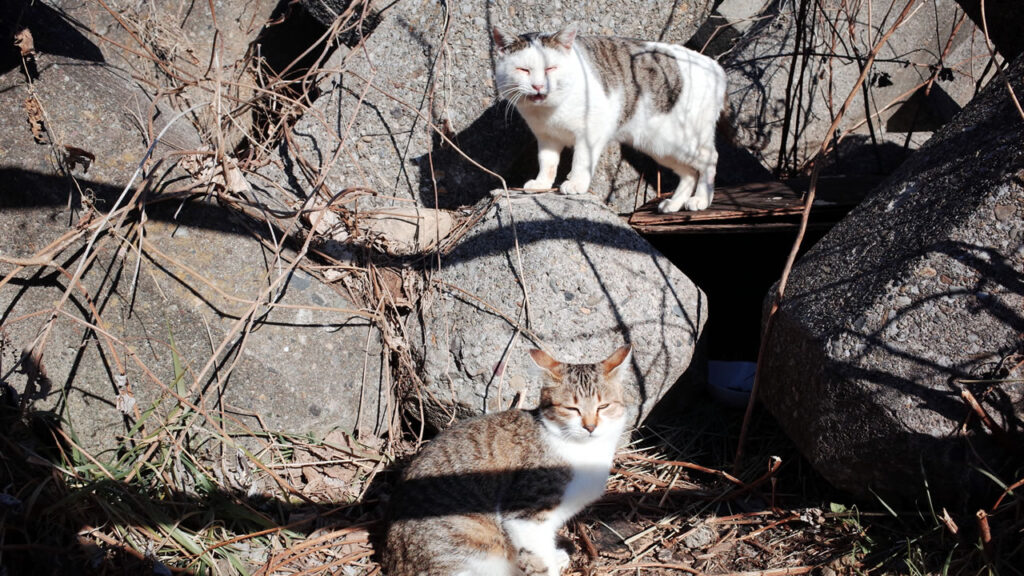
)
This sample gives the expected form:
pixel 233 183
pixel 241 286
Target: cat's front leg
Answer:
pixel 584 161
pixel 535 543
pixel 548 155
pixel 530 564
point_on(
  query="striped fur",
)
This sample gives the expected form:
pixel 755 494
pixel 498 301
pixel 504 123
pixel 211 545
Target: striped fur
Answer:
pixel 584 92
pixel 488 496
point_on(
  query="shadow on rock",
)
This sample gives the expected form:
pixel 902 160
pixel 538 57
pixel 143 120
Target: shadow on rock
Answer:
pixel 498 140
pixel 52 33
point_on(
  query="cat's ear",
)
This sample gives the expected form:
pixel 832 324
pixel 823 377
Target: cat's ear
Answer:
pixel 545 362
pixel 566 36
pixel 501 39
pixel 612 367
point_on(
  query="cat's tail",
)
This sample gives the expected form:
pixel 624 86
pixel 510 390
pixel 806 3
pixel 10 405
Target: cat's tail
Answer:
pixel 725 131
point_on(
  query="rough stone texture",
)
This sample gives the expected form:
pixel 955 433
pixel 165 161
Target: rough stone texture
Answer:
pixel 84 104
pixel 181 33
pixel 385 141
pixel 919 286
pixel 593 284
pixel 183 38
pixel 87 88
pixel 301 369
pixel 764 78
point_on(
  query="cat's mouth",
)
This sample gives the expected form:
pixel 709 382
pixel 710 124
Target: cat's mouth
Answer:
pixel 537 98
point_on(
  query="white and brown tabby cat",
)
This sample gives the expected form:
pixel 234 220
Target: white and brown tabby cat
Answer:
pixel 584 91
pixel 488 496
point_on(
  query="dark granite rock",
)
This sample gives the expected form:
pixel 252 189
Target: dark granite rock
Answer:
pixel 916 291
pixel 1005 21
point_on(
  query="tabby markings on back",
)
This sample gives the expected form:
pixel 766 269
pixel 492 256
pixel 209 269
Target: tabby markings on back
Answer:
pixel 585 91
pixel 487 497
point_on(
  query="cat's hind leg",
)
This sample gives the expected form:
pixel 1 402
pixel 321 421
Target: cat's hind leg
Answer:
pixel 696 183
pixel 491 565
pixel 705 190
pixel 684 192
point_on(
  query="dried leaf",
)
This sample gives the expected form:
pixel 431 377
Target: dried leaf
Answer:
pixel 35 119
pixel 73 156
pixel 206 169
pixel 125 403
pixel 235 181
pixel 402 231
pixel 24 42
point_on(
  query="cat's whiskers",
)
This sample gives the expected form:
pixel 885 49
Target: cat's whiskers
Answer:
pixel 511 95
pixel 512 105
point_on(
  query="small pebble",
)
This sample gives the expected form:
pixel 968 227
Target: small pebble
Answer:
pixel 1004 212
pixel 702 537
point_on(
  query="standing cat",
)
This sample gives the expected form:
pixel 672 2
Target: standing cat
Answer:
pixel 487 497
pixel 584 91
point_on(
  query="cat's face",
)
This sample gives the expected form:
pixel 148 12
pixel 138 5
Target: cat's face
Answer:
pixel 534 69
pixel 583 401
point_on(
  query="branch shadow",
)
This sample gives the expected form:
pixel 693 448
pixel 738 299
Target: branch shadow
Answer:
pixel 58 517
pixel 903 364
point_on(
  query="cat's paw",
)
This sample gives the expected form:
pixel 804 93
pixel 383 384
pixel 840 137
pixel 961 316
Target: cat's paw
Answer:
pixel 574 186
pixel 536 185
pixel 530 564
pixel 561 561
pixel 669 205
pixel 696 203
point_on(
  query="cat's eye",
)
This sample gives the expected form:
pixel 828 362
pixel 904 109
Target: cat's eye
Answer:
pixel 526 70
pixel 572 408
pixel 549 69
pixel 603 406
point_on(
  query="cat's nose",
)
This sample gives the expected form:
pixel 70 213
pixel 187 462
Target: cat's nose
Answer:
pixel 538 88
pixel 589 427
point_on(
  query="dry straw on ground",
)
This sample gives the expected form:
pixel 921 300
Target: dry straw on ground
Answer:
pixel 193 489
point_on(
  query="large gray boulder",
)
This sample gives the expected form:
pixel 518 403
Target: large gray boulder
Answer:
pixel 189 54
pixel 890 317
pixel 311 363
pixel 791 71
pixel 431 65
pixel 562 273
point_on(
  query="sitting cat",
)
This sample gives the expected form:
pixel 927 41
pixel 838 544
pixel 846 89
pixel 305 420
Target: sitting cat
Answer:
pixel 487 497
pixel 583 91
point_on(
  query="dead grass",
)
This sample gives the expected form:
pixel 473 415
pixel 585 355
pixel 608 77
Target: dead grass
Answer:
pixel 194 487
pixel 304 505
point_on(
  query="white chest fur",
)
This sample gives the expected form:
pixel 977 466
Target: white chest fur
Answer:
pixel 590 462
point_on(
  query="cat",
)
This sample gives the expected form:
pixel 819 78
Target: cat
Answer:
pixel 488 496
pixel 584 91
